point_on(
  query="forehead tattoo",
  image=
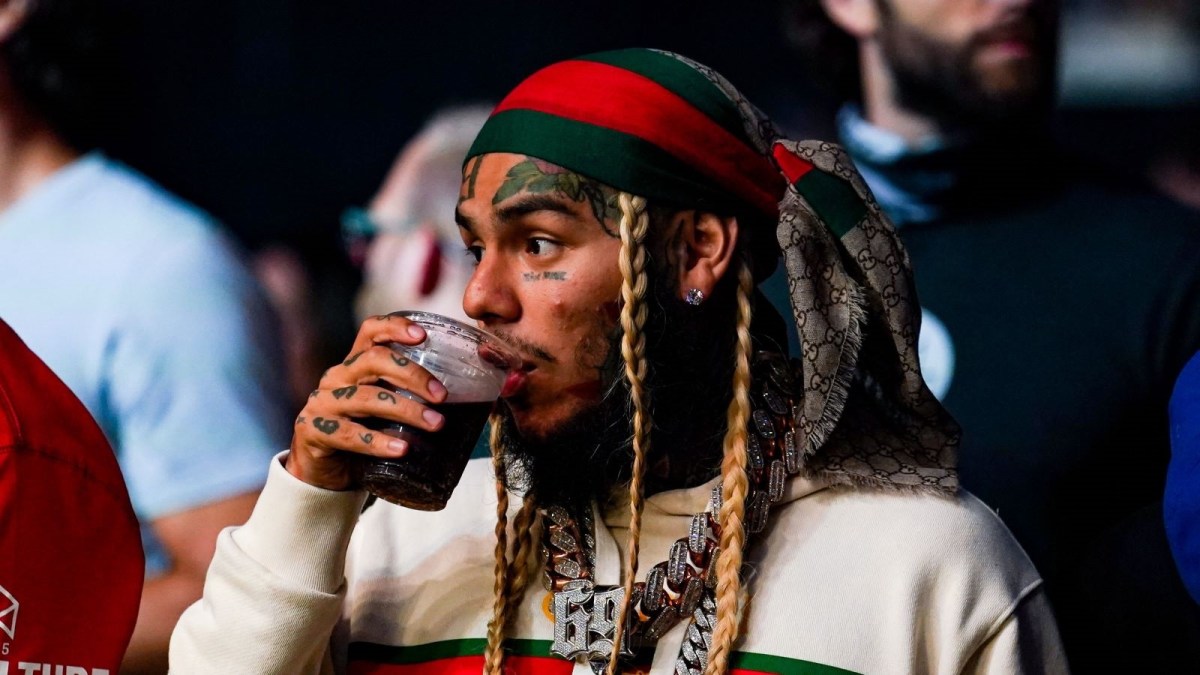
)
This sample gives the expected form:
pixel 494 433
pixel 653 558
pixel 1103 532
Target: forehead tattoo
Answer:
pixel 536 176
pixel 470 175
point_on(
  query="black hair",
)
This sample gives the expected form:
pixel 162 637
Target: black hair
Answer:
pixel 690 353
pixel 61 63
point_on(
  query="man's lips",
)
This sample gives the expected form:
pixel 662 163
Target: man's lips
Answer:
pixel 1015 39
pixel 1011 48
pixel 514 382
pixel 529 354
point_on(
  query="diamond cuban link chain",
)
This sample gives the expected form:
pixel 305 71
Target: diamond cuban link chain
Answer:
pixel 682 585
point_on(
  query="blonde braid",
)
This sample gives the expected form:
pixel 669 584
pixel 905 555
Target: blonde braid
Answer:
pixel 634 224
pixel 734 486
pixel 494 660
pixel 524 526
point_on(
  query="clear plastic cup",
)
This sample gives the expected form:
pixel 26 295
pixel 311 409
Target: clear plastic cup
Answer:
pixel 473 365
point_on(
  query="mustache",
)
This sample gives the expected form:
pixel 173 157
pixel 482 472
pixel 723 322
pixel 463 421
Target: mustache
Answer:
pixel 525 346
pixel 1023 27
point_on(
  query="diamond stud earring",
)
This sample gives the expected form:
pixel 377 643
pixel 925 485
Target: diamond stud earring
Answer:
pixel 695 296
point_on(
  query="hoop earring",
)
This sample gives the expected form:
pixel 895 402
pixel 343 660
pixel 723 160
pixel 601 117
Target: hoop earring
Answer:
pixel 695 296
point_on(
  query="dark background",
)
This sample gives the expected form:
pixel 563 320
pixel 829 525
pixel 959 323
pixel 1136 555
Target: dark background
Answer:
pixel 274 115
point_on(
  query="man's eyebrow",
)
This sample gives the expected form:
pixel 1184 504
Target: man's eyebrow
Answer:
pixel 518 207
pixel 526 204
pixel 463 221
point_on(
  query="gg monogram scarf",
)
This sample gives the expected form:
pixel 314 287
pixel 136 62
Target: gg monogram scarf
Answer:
pixel 656 124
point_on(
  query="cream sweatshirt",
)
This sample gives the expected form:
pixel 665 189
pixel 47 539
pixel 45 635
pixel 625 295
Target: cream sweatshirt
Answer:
pixel 843 580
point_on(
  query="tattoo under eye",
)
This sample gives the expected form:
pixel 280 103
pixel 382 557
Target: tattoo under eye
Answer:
pixel 547 276
pixel 345 392
pixel 325 426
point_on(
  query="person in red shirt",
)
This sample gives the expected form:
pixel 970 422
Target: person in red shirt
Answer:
pixel 71 561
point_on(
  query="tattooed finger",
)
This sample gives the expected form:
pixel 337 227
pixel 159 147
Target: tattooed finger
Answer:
pixel 325 426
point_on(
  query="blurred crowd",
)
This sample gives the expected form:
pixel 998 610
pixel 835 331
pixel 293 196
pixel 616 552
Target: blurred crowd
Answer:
pixel 1059 288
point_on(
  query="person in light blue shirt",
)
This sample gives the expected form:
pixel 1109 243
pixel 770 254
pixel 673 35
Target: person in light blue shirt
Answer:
pixel 141 305
pixel 145 310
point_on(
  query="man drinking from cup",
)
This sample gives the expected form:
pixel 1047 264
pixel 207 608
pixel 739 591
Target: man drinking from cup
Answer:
pixel 668 491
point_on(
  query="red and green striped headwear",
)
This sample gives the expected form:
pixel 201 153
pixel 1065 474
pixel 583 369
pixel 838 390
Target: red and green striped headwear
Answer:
pixel 642 121
pixel 658 125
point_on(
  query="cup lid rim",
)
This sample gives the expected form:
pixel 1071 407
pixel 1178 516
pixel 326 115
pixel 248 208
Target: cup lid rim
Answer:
pixel 440 320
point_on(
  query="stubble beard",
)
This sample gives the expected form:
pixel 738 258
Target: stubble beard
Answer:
pixel 590 455
pixel 946 82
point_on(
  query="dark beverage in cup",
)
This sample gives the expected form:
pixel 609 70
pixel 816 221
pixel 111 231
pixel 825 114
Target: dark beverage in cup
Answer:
pixel 426 476
pixel 473 365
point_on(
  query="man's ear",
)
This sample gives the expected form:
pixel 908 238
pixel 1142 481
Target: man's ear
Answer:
pixel 704 247
pixel 12 15
pixel 859 18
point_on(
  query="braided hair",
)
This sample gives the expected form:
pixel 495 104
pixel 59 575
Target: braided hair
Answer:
pixel 734 486
pixel 511 573
pixel 634 225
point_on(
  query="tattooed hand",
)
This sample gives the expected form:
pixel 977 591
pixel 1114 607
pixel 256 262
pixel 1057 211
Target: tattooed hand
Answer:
pixel 327 440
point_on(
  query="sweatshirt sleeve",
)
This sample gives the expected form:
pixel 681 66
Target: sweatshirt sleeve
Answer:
pixel 275 587
pixel 1026 642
